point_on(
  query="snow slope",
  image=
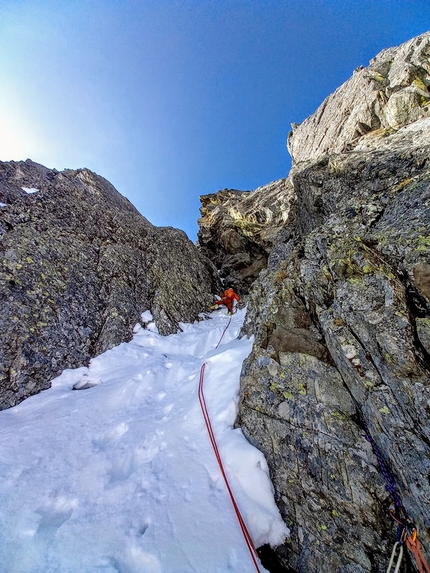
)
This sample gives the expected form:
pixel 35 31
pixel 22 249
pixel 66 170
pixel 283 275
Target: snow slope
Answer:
pixel 121 477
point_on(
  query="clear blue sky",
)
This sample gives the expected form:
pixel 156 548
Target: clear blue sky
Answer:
pixel 171 99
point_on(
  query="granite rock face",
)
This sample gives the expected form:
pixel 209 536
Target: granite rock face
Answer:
pixel 391 92
pixel 79 265
pixel 237 230
pixel 341 320
pixel 341 324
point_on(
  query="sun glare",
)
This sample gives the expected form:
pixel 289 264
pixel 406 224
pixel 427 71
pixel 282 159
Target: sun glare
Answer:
pixel 16 142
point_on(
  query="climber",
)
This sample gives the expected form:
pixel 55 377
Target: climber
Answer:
pixel 228 297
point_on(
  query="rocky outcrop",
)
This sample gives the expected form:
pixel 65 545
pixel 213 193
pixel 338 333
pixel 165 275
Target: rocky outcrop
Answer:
pixel 237 230
pixel 341 321
pixel 79 265
pixel 391 92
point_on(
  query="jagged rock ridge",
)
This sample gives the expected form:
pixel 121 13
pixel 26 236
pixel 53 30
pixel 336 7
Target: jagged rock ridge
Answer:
pixel 79 265
pixel 391 92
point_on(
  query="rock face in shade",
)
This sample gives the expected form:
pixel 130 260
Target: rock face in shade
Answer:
pixel 341 319
pixel 237 229
pixel 79 265
pixel 391 92
pixel 341 322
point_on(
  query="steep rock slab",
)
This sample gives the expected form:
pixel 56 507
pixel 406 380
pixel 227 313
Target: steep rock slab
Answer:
pixel 237 229
pixel 79 264
pixel 391 92
pixel 341 320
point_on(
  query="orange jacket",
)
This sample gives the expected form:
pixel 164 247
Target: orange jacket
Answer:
pixel 228 297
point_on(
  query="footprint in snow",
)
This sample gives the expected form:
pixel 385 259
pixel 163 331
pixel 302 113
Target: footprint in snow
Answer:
pixel 129 463
pixel 110 437
pixel 54 513
pixel 167 409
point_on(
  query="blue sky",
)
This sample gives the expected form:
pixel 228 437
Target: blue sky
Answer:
pixel 172 99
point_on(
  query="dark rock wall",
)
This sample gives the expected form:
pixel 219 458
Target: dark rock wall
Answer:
pixel 340 312
pixel 341 321
pixel 79 265
pixel 237 230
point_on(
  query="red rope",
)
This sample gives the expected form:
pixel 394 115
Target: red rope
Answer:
pixel 222 335
pixel 415 548
pixel 245 531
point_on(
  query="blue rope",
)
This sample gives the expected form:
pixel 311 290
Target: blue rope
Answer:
pixel 390 482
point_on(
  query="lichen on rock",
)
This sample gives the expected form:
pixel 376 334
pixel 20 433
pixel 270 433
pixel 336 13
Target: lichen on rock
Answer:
pixel 237 230
pixel 340 318
pixel 79 265
pixel 343 312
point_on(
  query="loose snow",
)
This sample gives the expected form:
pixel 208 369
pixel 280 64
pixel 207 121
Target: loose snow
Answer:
pixel 30 189
pixel 121 477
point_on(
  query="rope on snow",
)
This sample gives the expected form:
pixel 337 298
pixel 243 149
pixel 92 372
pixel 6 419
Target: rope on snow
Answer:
pixel 246 535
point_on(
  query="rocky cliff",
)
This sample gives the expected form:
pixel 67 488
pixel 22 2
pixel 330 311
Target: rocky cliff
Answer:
pixel 391 92
pixel 79 265
pixel 341 319
pixel 237 230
